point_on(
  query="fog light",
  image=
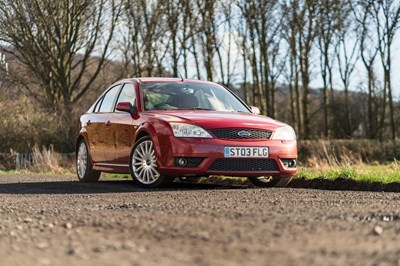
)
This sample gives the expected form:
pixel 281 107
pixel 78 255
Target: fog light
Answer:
pixel 187 161
pixel 289 163
pixel 182 162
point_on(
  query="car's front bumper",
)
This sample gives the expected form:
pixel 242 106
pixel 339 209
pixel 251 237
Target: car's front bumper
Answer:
pixel 213 161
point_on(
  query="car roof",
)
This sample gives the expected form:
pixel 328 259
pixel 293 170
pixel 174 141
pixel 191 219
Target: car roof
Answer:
pixel 163 79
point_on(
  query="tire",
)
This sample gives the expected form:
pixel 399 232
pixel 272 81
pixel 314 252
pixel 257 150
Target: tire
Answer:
pixel 272 181
pixel 143 165
pixel 84 167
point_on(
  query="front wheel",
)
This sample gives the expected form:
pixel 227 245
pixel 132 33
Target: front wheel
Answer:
pixel 84 168
pixel 143 165
pixel 271 181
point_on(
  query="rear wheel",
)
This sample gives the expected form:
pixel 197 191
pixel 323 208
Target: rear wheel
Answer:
pixel 143 165
pixel 271 181
pixel 84 167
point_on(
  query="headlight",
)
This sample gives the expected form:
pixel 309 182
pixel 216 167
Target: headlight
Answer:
pixel 182 130
pixel 284 133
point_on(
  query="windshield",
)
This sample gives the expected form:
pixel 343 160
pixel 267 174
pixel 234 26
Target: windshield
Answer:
pixel 189 96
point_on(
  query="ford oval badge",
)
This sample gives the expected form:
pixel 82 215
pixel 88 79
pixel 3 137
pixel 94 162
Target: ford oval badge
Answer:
pixel 244 134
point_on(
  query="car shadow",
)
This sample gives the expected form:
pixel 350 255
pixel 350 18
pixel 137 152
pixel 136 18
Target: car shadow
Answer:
pixel 107 186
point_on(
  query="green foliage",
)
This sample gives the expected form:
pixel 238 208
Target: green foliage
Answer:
pixel 342 172
pixel 116 176
pixel 367 173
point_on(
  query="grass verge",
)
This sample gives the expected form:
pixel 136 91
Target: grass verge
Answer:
pixel 385 174
pixel 361 177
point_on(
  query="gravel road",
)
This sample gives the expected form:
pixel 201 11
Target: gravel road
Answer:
pixel 55 220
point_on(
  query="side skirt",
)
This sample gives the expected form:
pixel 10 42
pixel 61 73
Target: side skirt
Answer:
pixel 112 168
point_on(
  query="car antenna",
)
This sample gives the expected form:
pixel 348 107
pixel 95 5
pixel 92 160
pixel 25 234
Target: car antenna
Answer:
pixel 180 75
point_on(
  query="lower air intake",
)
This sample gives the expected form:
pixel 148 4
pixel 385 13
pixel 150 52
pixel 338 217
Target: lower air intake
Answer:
pixel 244 165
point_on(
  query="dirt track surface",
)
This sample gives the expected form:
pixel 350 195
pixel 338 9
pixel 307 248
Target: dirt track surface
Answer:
pixel 55 220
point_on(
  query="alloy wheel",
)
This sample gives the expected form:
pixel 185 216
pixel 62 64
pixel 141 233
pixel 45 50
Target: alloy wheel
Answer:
pixel 144 165
pixel 81 160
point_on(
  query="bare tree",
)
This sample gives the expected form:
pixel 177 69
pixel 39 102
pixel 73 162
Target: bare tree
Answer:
pixel 207 33
pixel 306 23
pixel 59 41
pixel 194 31
pixel 368 53
pixel 347 55
pixel 329 21
pixel 3 69
pixel 386 17
pixel 131 41
pixel 227 8
pixel 185 6
pixel 244 52
pixel 247 11
pixel 173 21
pixel 147 28
pixel 263 24
pixel 62 49
pixel 290 34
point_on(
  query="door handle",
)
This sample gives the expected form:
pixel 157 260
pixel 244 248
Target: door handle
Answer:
pixel 88 123
pixel 108 123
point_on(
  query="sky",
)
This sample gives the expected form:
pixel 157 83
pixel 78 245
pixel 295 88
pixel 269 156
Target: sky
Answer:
pixel 358 76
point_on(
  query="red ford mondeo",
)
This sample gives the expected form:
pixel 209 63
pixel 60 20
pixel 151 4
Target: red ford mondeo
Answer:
pixel 158 129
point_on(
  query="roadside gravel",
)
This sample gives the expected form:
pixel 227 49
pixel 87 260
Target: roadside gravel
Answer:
pixel 55 220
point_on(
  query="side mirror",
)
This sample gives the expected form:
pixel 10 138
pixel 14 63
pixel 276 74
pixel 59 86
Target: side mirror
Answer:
pixel 255 110
pixel 126 107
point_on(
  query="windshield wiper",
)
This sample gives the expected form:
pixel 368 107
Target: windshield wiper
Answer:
pixel 196 108
pixel 242 112
pixel 204 109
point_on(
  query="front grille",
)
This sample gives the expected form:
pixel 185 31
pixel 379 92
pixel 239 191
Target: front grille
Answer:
pixel 228 133
pixel 244 165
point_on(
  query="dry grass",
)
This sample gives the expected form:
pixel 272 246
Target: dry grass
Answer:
pixel 49 161
pixel 360 160
pixel 353 159
pixel 339 153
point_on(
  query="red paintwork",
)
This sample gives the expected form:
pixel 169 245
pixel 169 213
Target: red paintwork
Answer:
pixel 124 106
pixel 110 143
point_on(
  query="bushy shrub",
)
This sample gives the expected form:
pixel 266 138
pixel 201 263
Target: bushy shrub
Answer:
pixel 22 125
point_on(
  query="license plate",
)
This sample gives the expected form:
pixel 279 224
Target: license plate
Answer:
pixel 251 152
